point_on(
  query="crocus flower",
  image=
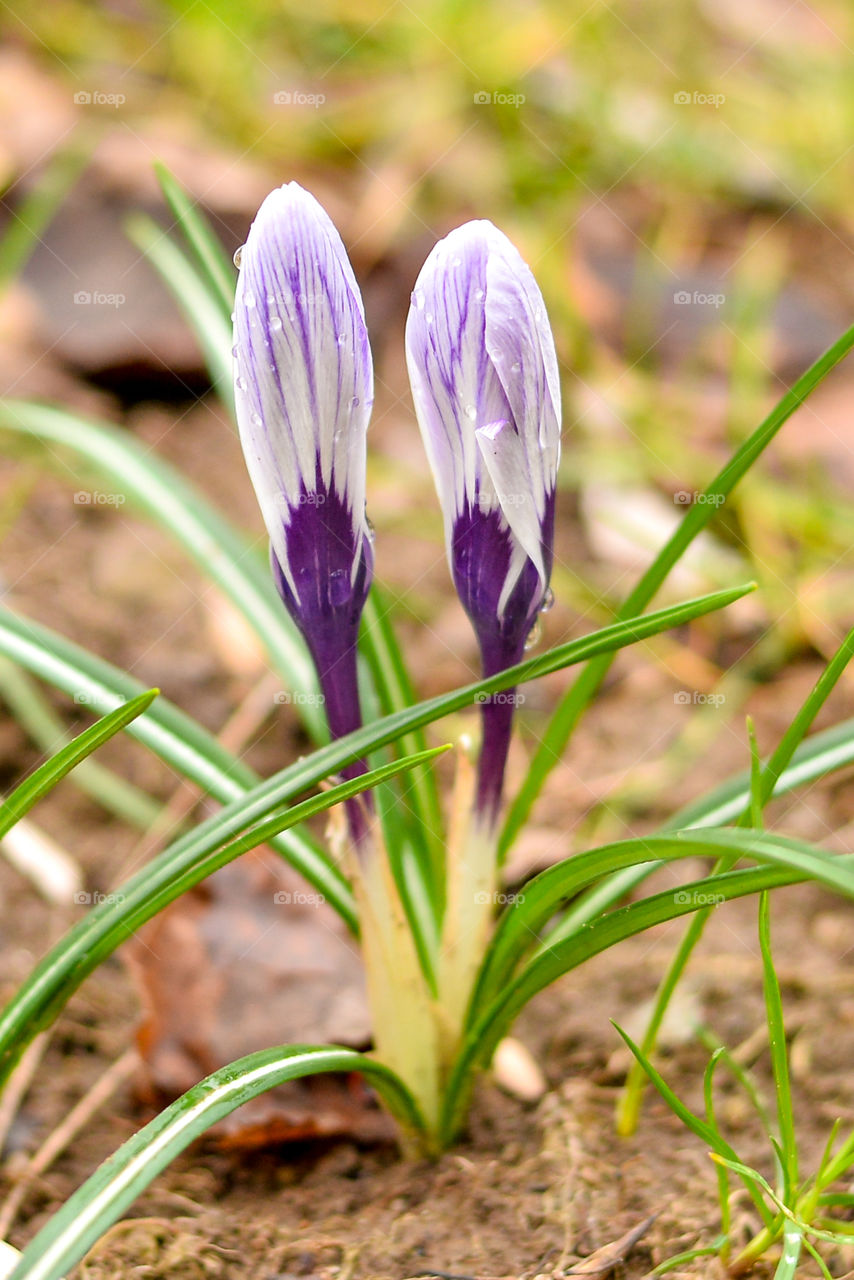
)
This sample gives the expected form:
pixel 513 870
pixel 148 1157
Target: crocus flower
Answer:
pixel 485 384
pixel 303 392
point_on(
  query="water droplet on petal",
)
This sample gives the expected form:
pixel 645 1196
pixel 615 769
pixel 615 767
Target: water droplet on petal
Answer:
pixel 249 299
pixel 240 383
pixel 341 339
pixel 514 368
pixel 339 587
pixel 256 419
pixel 234 352
pixel 429 317
pixel 470 411
pixel 548 601
pixel 478 293
pixel 534 635
pixel 238 256
pixel 371 531
pixel 355 402
pixel 418 299
pixel 275 323
pixel 456 262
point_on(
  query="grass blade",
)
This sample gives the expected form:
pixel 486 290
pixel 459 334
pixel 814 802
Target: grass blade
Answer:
pixel 33 215
pixel 557 958
pixel 572 705
pixel 520 925
pixel 193 295
pixel 779 1054
pixel 762 782
pixel 181 742
pixel 29 705
pixel 113 1188
pixel 54 980
pixel 162 493
pixel 45 778
pixel 211 259
pixel 186 863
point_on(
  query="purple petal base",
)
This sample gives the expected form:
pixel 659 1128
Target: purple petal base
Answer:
pixel 321 546
pixel 480 552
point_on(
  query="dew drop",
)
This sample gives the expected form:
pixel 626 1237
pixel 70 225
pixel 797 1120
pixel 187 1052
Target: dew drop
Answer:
pixel 418 299
pixel 339 587
pixel 371 531
pixel 249 300
pixel 232 317
pixel 234 352
pixel 256 419
pixel 429 317
pixel 341 339
pixel 456 262
pixel 548 601
pixel 478 293
pixel 238 256
pixel 470 411
pixel 514 368
pixel 275 323
pixel 355 402
pixel 533 635
pixel 240 383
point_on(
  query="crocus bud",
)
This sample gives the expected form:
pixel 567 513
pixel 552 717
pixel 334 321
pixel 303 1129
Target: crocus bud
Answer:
pixel 303 392
pixel 485 383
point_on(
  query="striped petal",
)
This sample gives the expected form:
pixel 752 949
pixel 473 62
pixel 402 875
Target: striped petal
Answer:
pixel 304 375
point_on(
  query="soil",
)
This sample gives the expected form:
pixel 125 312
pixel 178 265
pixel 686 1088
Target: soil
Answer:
pixel 531 1189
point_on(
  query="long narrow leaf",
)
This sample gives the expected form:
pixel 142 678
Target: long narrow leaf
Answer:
pixel 566 954
pixel 53 770
pixel 569 710
pixel 162 881
pixel 211 259
pixel 162 493
pixel 113 1188
pixel 175 737
pixel 57 976
pixel 519 927
pixel 779 1053
pixel 193 296
pixel 31 707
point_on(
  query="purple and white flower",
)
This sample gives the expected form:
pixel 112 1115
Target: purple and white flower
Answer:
pixel 485 384
pixel 303 392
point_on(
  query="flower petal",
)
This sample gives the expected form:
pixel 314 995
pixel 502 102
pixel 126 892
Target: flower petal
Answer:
pixel 304 385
